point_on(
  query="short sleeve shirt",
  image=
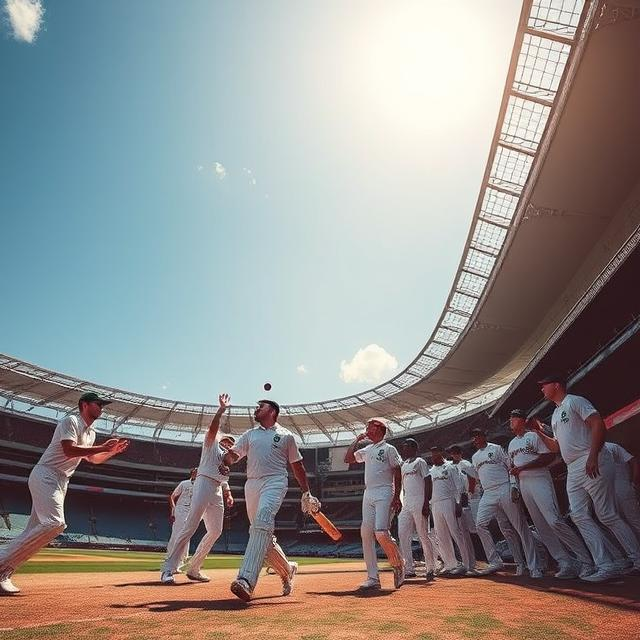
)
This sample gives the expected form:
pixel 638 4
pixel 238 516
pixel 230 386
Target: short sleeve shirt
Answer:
pixel 182 494
pixel 525 449
pixel 72 428
pixel 268 451
pixel 413 475
pixel 570 428
pixel 446 482
pixel 492 465
pixel 211 459
pixel 620 458
pixel 380 460
pixel 467 470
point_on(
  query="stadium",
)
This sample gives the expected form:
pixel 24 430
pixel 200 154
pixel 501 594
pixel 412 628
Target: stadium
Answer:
pixel 570 107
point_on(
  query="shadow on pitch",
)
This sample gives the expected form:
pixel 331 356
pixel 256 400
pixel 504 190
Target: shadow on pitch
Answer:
pixel 621 593
pixel 229 604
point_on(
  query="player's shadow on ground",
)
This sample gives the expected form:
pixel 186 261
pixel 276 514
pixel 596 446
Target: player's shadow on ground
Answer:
pixel 156 583
pixel 622 593
pixel 229 604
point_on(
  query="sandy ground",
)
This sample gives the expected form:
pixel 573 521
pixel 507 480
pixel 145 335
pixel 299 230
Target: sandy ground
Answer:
pixel 323 606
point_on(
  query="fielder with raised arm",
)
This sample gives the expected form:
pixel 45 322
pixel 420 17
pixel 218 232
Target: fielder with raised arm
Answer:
pixel 530 458
pixel 269 449
pixel 416 492
pixel 71 443
pixel 383 483
pixel 210 493
pixel 579 434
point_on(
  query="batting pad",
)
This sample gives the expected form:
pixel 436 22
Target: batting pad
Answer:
pixel 277 560
pixel 27 544
pixel 260 538
pixel 390 548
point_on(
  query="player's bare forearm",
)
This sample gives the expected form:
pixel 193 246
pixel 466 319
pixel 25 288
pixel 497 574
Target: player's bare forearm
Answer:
pixel 112 446
pixel 229 458
pixel 552 444
pixel 598 431
pixel 472 484
pixel 301 475
pixel 543 460
pixel 349 456
pixel 224 401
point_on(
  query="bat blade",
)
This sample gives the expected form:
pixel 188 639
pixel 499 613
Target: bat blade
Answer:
pixel 327 526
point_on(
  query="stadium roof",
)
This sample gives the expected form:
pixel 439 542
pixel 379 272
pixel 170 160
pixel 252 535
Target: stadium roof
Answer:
pixel 557 202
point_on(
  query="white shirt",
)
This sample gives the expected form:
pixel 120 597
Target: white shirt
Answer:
pixel 380 460
pixel 570 429
pixel 621 458
pixel 268 451
pixel 492 465
pixel 466 471
pixel 525 449
pixel 72 428
pixel 211 459
pixel 413 475
pixel 446 481
pixel 182 494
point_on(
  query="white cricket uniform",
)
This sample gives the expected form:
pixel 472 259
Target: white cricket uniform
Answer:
pixel 446 489
pixel 410 518
pixel 626 498
pixel 182 500
pixel 206 504
pixel 268 452
pixel 492 467
pixel 466 470
pixel 380 461
pixel 574 437
pixel 539 496
pixel 48 484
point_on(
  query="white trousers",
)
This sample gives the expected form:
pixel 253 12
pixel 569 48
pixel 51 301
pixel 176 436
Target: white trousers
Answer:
pixel 207 505
pixel 411 519
pixel 539 496
pixel 180 519
pixel 584 491
pixel 627 505
pixel 496 503
pixel 48 489
pixel 448 530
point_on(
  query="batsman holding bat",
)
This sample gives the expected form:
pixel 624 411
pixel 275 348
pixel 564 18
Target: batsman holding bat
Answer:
pixel 383 483
pixel 268 448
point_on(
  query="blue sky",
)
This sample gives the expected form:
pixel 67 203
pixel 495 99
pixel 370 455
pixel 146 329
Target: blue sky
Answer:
pixel 204 196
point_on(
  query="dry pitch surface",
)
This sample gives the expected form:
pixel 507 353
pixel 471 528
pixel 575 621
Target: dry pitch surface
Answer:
pixel 133 605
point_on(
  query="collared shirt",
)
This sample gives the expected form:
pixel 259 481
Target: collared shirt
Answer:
pixel 211 459
pixel 413 475
pixel 380 460
pixel 492 466
pixel 73 428
pixel 467 470
pixel 182 494
pixel 525 449
pixel 446 482
pixel 268 451
pixel 570 429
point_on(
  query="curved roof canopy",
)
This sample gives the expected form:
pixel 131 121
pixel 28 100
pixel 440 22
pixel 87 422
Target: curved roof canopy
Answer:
pixel 547 220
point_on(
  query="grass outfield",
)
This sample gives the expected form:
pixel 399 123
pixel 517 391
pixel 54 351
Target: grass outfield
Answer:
pixel 97 561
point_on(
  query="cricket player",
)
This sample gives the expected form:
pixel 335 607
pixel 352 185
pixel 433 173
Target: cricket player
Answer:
pixel 416 492
pixel 210 492
pixel 383 484
pixel 268 449
pixel 500 501
pixel 446 507
pixel 578 435
pixel 530 458
pixel 71 443
pixel 471 486
pixel 179 505
pixel 627 480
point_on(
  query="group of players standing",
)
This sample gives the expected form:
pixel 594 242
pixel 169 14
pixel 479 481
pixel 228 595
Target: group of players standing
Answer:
pixel 461 497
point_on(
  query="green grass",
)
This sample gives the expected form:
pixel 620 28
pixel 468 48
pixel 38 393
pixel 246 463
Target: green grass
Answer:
pixel 129 561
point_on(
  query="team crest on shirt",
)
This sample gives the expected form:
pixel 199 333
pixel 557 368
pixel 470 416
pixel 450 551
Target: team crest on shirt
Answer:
pixel 490 454
pixel 564 417
pixel 380 456
pixel 276 439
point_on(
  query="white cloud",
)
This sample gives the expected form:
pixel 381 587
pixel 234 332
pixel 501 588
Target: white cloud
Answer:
pixel 25 18
pixel 219 170
pixel 371 364
pixel 301 369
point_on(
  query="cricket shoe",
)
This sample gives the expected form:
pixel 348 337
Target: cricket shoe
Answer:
pixel 7 588
pixel 460 570
pixel 198 577
pixel 623 566
pixel 536 574
pixel 242 589
pixel 603 574
pixel 166 577
pixel 287 583
pixel 586 570
pixel 567 572
pixel 370 584
pixel 491 569
pixel 521 570
pixel 410 574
